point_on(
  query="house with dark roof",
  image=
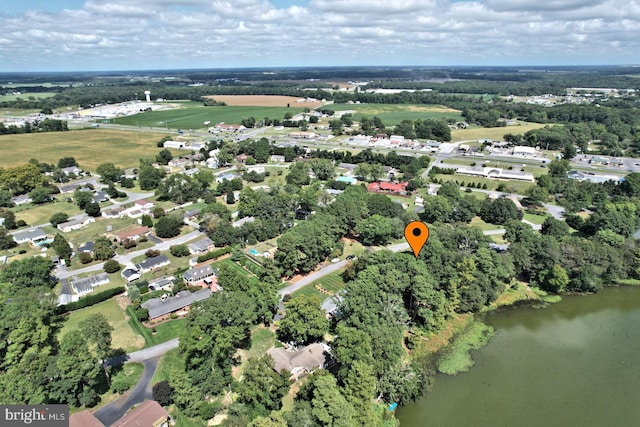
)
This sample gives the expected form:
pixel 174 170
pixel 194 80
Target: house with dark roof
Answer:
pixel 302 361
pixel 21 199
pixel 86 247
pixel 86 284
pixel 130 274
pixel 165 305
pixel 163 283
pixel 201 246
pixel 101 196
pixel 199 273
pixel 147 414
pixel 69 188
pixel 153 263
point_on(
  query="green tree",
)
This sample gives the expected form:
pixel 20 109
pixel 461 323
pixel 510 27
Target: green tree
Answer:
pixel 28 273
pixel 554 227
pixel 92 209
pixel 109 173
pixel 324 169
pixel 554 279
pixel 168 226
pixel 262 387
pixel 62 247
pixel 305 320
pixel 112 266
pixel 9 219
pixel 78 372
pixel 103 249
pixel 97 331
pixel 6 240
pixel 185 395
pixel 67 162
pixel 164 157
pixel 58 218
pixel 498 211
pixel 375 230
pixel 149 177
pixel 275 419
pixel 82 198
pixel 40 195
pixel 359 390
pixel 329 406
pixel 146 221
pixel 179 250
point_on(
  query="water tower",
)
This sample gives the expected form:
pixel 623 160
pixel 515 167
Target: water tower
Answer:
pixel 148 95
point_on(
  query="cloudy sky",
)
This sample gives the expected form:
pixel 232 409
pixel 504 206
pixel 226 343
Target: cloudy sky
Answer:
pixel 54 35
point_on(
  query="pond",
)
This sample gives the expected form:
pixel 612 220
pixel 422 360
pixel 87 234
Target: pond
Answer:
pixel 574 363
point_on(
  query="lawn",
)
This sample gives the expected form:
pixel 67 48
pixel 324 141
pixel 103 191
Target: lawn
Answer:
pixel 536 219
pixel 234 265
pixel 164 331
pixel 262 339
pixel 27 96
pixel 194 116
pixel 353 247
pixel 40 214
pixel 512 186
pixel 90 147
pixel 495 134
pixel 393 114
pixel 171 359
pixel 331 282
pixel 123 336
pixel 484 226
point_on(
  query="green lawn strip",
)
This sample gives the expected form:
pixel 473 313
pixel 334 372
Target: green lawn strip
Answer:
pixel 124 334
pixel 331 282
pixel 456 357
pixel 165 331
pixel 172 359
pixel 536 219
pixel 484 226
pixel 391 114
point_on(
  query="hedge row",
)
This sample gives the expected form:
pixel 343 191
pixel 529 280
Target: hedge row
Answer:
pixel 214 254
pixel 91 299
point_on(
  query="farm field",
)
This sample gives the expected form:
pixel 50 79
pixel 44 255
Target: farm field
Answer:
pixel 90 147
pixel 331 282
pixel 193 117
pixel 494 134
pixel 264 101
pixel 124 337
pixel 391 114
pixel 27 95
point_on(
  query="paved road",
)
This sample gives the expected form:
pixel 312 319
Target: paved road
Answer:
pixel 311 277
pixel 110 413
pixel 556 211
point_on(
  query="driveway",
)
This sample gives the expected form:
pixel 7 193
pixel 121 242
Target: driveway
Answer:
pixel 110 413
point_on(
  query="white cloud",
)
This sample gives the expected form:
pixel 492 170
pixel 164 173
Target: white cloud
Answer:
pixel 217 33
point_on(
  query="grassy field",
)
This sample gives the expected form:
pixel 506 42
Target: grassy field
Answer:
pixel 536 219
pixel 90 147
pixel 40 214
pixel 484 226
pixel 332 282
pixel 494 134
pixel 171 359
pixel 512 186
pixel 457 358
pixel 123 336
pixel 193 117
pixel 393 114
pixel 27 96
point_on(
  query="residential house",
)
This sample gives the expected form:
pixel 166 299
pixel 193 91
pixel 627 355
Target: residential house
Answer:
pixel 22 199
pixel 227 176
pixel 130 274
pixel 75 224
pixel 277 158
pixel 71 170
pixel 239 223
pixel 86 247
pixel 163 283
pixel 351 167
pixel 68 188
pixel 33 236
pixel 140 207
pixel 399 188
pixel 191 172
pixel 86 285
pixel 201 246
pixel 256 169
pixel 191 216
pixel 229 127
pixel 113 213
pixel 178 145
pixel 302 135
pixel 133 234
pixel 84 419
pixel 101 196
pixel 165 305
pixel 147 414
pixel 198 274
pixel 242 158
pixel 305 360
pixel 151 264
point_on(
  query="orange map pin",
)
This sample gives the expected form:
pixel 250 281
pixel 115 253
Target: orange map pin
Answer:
pixel 416 233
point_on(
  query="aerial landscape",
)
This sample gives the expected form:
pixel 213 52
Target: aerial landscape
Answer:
pixel 319 213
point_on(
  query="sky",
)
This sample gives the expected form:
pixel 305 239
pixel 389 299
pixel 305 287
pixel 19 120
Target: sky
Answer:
pixel 98 35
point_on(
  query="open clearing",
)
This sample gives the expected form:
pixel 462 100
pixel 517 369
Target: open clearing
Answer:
pixel 194 117
pixel 494 134
pixel 123 337
pixel 90 147
pixel 27 95
pixel 393 114
pixel 264 101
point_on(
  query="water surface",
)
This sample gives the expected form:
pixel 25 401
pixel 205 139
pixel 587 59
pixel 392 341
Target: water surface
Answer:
pixel 574 363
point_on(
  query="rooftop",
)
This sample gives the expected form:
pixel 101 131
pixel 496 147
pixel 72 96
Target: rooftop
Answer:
pixel 159 307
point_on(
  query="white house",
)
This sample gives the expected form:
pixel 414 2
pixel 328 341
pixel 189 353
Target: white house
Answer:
pixel 33 236
pixel 76 224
